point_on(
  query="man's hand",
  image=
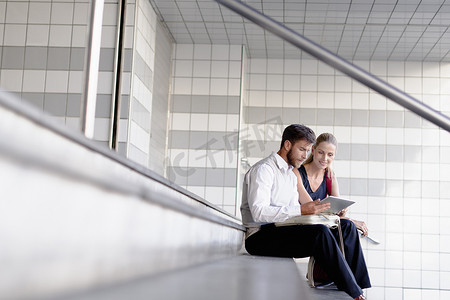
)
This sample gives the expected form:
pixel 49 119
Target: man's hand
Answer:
pixel 314 207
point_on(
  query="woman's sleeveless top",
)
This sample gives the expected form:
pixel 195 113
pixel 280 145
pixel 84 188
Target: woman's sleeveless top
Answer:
pixel 321 192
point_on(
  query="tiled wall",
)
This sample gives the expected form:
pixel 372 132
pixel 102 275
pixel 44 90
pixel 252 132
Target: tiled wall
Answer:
pixel 393 163
pixel 42 57
pixel 204 121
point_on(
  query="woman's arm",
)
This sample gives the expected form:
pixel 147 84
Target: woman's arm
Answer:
pixel 303 196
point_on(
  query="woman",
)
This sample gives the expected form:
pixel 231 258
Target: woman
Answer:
pixel 316 180
pixel 317 169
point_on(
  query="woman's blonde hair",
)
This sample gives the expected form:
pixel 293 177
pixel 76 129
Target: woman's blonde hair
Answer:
pixel 324 137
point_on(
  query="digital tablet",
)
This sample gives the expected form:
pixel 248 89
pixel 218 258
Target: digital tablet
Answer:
pixel 337 204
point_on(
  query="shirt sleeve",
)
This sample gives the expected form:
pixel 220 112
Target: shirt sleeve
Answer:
pixel 263 208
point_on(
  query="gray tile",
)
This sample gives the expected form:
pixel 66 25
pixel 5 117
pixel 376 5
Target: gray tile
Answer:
pixel 344 185
pixel 274 115
pixel 77 59
pixel 197 176
pixel 124 106
pixel 215 177
pixel 394 153
pixel 377 153
pixel 342 117
pixel 106 62
pixel 73 105
pixel 308 116
pixel 218 104
pixel 359 152
pixel 233 105
pixel 127 60
pixel 255 115
pixel 181 103
pixel 360 117
pixel 216 140
pixel 343 152
pixel 58 58
pixel 270 147
pixel 291 115
pixel 1 54
pixel 122 149
pixel 412 120
pixel 36 99
pixel 377 187
pixel 413 153
pixel 377 118
pixel 140 114
pixel 230 177
pixel 36 58
pixel 394 119
pixel 13 58
pixel 55 104
pixel 325 116
pixel 103 106
pixel 358 186
pixel 231 140
pixel 178 139
pixel 200 104
pixel 177 175
pixel 198 139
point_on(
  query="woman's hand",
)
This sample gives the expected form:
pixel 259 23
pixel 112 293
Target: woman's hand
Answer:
pixel 361 226
pixel 342 212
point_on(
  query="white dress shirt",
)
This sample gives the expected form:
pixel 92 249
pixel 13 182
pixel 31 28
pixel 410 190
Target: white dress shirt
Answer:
pixel 269 193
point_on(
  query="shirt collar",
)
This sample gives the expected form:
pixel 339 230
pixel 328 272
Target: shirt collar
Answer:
pixel 281 163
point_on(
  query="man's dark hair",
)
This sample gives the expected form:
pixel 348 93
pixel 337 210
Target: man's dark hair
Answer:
pixel 296 132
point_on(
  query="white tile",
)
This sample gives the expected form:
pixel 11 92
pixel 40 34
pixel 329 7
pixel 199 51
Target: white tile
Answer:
pixel 343 84
pixel 325 100
pixel 378 68
pixel 3 9
pixel 101 129
pixel 377 277
pixel 105 82
pixel 11 80
pixel 430 261
pixel 231 159
pixel 57 81
pixel 343 134
pixel 183 68
pixel 217 122
pixel 291 83
pixel 257 82
pixel 235 69
pixel 236 52
pixel 412 294
pixel 291 99
pixel 390 293
pixel 359 87
pixel 197 158
pixel 257 98
pixel 309 67
pixel 260 66
pixel 79 35
pixel 219 68
pixel 16 12
pixel 199 122
pixel 183 86
pixel 292 66
pixel 14 35
pixel 393 277
pixel 308 99
pixel 375 259
pixel 358 169
pixel 216 159
pixel 326 83
pixel 412 260
pixel 197 190
pixel 180 121
pixel 62 13
pixel 360 101
pixel 398 82
pixel 394 259
pixel 75 81
pixel 431 85
pixel 34 81
pixel 275 66
pixel 396 68
pixel 360 135
pixel 413 69
pixel 184 51
pixel 229 195
pixel 413 85
pixel 444 84
pixel 431 69
pixel 430 243
pixel 219 86
pixel 274 99
pixel 123 130
pixel 308 83
pixel 60 35
pixel 81 12
pixel 220 52
pixel 214 195
pixel 234 87
pixel 274 82
pixel 444 242
pixel 394 171
pixel 202 68
pixel 38 35
pixel 395 136
pixel 232 123
pixel 343 101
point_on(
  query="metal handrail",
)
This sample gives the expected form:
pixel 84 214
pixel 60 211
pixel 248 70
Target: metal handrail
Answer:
pixel 339 63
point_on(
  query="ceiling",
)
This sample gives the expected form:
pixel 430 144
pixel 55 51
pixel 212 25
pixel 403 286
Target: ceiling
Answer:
pixel 406 30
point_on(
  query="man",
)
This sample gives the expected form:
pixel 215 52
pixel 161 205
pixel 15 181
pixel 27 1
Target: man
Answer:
pixel 270 195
